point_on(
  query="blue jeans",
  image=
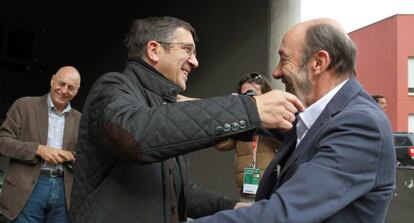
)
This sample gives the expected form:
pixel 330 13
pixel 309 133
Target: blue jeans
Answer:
pixel 47 203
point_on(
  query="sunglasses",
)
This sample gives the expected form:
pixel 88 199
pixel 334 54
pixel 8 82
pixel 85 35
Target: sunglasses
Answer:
pixel 252 78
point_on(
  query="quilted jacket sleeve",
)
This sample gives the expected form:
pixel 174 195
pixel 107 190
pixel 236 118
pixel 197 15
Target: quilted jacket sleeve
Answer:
pixel 203 202
pixel 129 128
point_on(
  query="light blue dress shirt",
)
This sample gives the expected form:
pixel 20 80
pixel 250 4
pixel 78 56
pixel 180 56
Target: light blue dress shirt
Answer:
pixel 55 130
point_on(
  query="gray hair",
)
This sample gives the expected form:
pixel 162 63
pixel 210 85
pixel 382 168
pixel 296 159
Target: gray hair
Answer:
pixel 153 28
pixel 340 47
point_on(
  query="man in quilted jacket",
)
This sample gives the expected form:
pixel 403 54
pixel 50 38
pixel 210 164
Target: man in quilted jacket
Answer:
pixel 130 163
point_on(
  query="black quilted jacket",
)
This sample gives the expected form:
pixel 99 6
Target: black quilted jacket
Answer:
pixel 132 139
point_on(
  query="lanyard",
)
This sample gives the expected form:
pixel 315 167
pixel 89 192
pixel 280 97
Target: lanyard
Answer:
pixel 253 147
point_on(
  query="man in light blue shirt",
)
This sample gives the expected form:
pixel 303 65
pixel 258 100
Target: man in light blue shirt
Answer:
pixel 39 136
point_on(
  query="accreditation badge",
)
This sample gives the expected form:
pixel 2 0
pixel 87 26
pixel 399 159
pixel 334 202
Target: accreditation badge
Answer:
pixel 251 180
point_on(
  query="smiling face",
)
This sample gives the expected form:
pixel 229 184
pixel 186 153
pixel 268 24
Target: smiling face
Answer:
pixel 177 57
pixel 293 74
pixel 64 87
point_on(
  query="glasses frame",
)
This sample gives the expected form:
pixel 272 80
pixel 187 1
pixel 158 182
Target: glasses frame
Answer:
pixel 188 47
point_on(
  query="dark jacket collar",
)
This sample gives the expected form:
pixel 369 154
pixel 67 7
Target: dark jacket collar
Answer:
pixel 351 88
pixel 152 79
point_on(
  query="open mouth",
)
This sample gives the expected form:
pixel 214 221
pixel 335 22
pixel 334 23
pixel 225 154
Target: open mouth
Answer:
pixel 186 72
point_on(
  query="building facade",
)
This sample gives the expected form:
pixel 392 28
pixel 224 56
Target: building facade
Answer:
pixel 385 66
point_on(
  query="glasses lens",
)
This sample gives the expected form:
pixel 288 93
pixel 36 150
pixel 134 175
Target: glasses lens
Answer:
pixel 188 47
pixel 256 78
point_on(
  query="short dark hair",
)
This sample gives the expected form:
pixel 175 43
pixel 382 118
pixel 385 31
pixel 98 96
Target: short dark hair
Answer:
pixel 257 78
pixel 376 97
pixel 339 46
pixel 152 28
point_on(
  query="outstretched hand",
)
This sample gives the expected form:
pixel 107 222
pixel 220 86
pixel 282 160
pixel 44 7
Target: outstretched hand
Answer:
pixel 277 109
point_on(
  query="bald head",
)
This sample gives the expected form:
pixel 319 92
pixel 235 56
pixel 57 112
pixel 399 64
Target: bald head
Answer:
pixel 70 71
pixel 327 35
pixel 326 21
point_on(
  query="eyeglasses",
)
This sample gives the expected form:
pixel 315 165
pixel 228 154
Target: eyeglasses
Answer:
pixel 188 47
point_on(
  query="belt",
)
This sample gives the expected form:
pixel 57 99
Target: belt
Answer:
pixel 52 173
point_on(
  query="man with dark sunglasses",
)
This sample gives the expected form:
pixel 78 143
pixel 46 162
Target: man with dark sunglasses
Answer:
pixel 256 78
pixel 252 157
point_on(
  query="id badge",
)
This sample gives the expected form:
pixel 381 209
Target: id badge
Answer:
pixel 251 180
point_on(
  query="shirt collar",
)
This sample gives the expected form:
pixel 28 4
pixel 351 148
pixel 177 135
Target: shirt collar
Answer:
pixel 52 107
pixel 312 112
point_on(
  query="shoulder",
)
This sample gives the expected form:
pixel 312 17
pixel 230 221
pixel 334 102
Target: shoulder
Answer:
pixel 75 112
pixel 112 78
pixel 28 101
pixel 110 83
pixel 362 117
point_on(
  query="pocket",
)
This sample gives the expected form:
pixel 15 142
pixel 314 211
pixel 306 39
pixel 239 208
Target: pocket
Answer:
pixel 10 179
pixel 8 190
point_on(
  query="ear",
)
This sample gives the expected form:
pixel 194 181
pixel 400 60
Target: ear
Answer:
pixel 322 60
pixel 52 79
pixel 153 51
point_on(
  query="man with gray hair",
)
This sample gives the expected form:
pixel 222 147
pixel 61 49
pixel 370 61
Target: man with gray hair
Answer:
pixel 338 163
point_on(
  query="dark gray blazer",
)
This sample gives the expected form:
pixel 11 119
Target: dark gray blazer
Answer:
pixel 26 127
pixel 342 171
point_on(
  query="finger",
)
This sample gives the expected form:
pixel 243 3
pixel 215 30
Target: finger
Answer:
pixel 289 117
pixel 52 161
pixel 295 101
pixel 68 156
pixel 71 157
pixel 285 125
pixel 290 107
pixel 58 159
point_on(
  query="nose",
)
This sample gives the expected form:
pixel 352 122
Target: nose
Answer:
pixel 64 89
pixel 277 72
pixel 193 61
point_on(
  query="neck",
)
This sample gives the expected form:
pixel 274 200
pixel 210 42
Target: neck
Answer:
pixel 322 85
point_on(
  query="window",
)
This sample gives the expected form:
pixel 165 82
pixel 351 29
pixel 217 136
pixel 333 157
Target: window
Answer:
pixel 411 122
pixel 411 75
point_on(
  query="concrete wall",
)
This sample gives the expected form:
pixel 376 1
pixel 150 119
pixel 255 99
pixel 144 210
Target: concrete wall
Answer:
pixel 283 14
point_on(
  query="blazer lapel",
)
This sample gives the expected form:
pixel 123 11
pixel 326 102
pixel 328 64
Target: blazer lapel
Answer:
pixel 270 177
pixel 67 132
pixel 42 119
pixel 338 102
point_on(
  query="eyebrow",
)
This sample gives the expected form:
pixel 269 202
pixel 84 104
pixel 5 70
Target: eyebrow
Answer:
pixel 69 85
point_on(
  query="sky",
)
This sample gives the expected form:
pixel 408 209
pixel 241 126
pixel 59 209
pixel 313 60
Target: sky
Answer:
pixel 354 14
